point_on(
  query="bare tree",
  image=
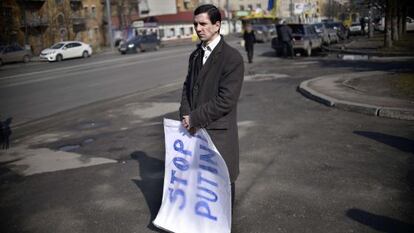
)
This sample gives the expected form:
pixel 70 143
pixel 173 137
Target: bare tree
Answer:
pixel 388 24
pixel 394 21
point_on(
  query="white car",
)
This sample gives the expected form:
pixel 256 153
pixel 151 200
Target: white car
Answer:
pixel 65 50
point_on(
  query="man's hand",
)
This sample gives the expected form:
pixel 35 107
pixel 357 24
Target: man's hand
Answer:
pixel 186 122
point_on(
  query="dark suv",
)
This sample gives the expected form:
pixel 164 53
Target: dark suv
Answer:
pixel 140 44
pixel 306 39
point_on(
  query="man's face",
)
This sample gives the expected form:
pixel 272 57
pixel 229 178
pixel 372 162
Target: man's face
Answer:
pixel 205 30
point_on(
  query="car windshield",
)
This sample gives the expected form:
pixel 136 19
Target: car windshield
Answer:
pixel 318 25
pixel 57 46
pixel 331 25
pixel 297 29
pixel 259 28
pixel 133 39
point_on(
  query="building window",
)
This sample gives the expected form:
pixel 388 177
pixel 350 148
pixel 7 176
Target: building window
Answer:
pixel 61 20
pixel 93 12
pixel 90 32
pixel 172 32
pixel 161 31
pixel 85 10
pixel 241 7
pixel 187 4
pixel 258 5
pixel 250 7
pixel 182 31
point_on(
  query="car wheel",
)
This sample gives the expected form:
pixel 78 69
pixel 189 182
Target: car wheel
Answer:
pixel 85 54
pixel 59 58
pixel 308 50
pixel 26 59
pixel 328 41
pixel 141 48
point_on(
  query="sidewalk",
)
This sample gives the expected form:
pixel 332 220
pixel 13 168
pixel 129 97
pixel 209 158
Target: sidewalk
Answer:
pixel 382 94
pixel 375 46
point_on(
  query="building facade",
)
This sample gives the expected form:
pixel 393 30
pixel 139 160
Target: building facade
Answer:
pixel 309 11
pixel 40 23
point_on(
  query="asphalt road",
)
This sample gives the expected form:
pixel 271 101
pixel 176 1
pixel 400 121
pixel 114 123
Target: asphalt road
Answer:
pixel 305 167
pixel 38 89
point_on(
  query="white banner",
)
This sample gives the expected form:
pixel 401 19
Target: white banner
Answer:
pixel 197 193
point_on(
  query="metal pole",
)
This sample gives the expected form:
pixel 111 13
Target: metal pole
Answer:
pixel 228 16
pixel 109 15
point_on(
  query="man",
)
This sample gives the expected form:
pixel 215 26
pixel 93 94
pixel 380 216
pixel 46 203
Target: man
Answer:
pixel 284 35
pixel 212 88
pixel 249 40
pixel 362 23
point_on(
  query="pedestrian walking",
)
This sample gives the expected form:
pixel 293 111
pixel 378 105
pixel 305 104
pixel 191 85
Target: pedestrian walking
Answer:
pixel 249 40
pixel 362 23
pixel 212 88
pixel 284 35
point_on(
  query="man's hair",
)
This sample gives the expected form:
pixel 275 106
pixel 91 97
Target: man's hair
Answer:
pixel 212 12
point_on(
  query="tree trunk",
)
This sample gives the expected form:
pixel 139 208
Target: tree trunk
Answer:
pixel 387 28
pixel 394 20
pixel 370 26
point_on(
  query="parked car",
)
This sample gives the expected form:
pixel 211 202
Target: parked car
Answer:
pixel 65 50
pixel 264 33
pixel 328 35
pixel 355 29
pixel 340 29
pixel 14 53
pixel 305 39
pixel 139 44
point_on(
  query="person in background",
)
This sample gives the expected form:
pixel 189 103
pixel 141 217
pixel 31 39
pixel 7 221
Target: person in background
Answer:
pixel 284 35
pixel 362 23
pixel 249 40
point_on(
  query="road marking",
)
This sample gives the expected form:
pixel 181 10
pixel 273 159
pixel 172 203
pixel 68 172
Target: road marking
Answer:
pixel 18 83
pixel 157 55
pixel 25 161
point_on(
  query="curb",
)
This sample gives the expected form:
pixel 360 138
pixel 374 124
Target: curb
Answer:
pixel 373 110
pixel 368 53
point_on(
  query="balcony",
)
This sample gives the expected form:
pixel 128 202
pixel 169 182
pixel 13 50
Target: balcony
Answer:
pixel 35 22
pixel 78 20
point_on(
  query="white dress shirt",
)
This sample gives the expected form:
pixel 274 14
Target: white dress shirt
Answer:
pixel 209 48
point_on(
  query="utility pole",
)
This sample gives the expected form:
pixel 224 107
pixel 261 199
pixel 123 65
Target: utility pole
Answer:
pixel 109 15
pixel 228 15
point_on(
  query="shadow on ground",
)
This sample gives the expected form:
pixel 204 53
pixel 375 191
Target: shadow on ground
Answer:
pixel 400 143
pixel 378 222
pixel 151 183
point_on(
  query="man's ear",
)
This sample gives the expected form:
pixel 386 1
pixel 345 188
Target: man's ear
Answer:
pixel 218 25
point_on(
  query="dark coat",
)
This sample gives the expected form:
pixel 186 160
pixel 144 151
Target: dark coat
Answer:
pixel 284 33
pixel 249 39
pixel 210 99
